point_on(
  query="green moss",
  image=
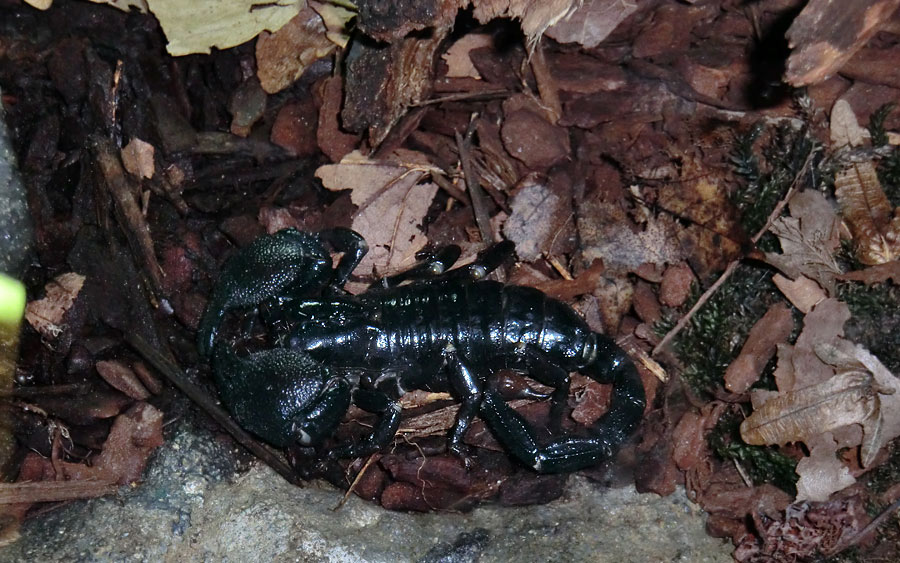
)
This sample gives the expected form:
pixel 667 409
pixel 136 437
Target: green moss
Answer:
pixel 889 166
pixel 761 464
pixel 875 319
pixel 766 180
pixel 715 334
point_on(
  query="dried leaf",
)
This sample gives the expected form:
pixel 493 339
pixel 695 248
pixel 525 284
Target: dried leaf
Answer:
pixel 868 214
pixel 773 328
pixel 459 65
pixel 845 129
pixel 392 205
pixel 795 416
pixel 803 293
pixel 122 378
pixel 591 22
pixel 124 5
pixel 534 220
pixel 809 238
pixel 822 473
pixel 199 25
pixel 609 235
pixel 281 57
pixel 876 274
pixel 336 19
pixel 137 158
pixel 46 315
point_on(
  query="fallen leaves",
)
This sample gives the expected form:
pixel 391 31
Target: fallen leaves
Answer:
pixel 392 204
pixel 809 238
pixel 47 315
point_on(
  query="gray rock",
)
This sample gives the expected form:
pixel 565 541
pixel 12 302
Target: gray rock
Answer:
pixel 15 222
pixel 192 507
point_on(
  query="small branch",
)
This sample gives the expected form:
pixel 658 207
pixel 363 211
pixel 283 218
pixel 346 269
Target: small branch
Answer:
pixel 734 264
pixel 54 491
pixel 476 193
pixel 199 396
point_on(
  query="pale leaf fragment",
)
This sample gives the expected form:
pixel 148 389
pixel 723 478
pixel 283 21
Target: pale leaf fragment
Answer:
pixel 137 158
pixel 809 238
pixel 531 225
pixel 459 64
pixel 845 129
pixel 46 315
pixel 535 15
pixel 392 206
pixel 199 25
pixel 592 22
pixel 803 293
pixel 822 473
pixel 336 20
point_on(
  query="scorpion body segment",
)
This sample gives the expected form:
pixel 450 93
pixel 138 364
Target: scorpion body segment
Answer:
pixel 443 332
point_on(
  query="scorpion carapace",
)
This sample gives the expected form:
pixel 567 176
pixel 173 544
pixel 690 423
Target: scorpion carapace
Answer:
pixel 444 331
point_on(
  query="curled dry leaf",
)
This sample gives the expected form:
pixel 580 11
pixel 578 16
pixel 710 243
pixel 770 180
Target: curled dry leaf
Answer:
pixel 46 315
pixel 803 293
pixel 809 238
pixel 874 224
pixel 122 378
pixel 795 416
pixel 391 207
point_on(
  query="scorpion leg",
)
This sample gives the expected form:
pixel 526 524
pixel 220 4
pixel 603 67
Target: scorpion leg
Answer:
pixel 571 454
pixel 437 264
pixel 389 411
pixel 548 373
pixel 486 262
pixel 469 389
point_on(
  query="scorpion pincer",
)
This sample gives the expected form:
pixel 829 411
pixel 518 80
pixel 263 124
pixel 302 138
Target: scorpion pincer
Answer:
pixel 445 330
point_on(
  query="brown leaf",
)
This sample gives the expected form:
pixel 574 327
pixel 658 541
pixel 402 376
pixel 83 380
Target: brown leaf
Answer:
pixel 809 238
pixel 868 213
pixel 122 378
pixel 46 315
pixel 876 274
pixel 795 416
pixel 773 328
pixel 803 293
pixel 137 158
pixel 281 57
pixel 392 206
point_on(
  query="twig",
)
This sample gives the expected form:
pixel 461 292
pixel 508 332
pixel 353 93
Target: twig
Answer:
pixel 54 491
pixel 372 458
pixel 199 396
pixel 476 193
pixel 870 527
pixel 734 263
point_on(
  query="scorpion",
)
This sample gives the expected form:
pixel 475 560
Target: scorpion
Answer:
pixel 429 328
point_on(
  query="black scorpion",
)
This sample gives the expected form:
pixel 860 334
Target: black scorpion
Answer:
pixel 445 330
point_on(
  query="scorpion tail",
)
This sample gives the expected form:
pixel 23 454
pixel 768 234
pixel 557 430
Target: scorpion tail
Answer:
pixel 606 435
